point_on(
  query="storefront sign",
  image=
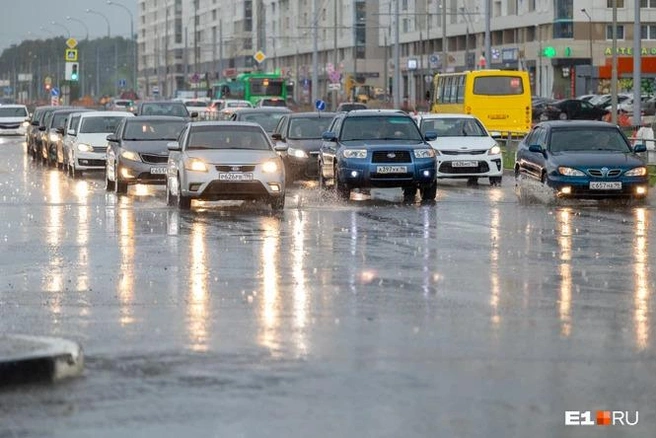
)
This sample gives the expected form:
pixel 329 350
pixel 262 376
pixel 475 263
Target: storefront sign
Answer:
pixel 628 51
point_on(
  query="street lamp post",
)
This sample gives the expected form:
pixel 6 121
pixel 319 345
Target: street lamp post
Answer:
pixel 68 32
pixel 77 20
pixel 109 31
pixel 590 42
pixel 133 38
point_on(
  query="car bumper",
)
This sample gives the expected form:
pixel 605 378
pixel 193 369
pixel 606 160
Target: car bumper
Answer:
pixel 209 186
pixel 136 172
pixel 90 160
pixel 466 166
pixel 307 167
pixel 12 131
pixel 364 175
pixel 568 187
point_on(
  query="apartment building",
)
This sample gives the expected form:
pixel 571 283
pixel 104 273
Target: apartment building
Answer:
pixel 564 44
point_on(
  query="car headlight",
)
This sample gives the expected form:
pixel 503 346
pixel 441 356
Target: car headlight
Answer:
pixel 637 171
pixel 269 167
pixel 54 137
pixel 82 147
pixel 424 153
pixel 354 153
pixel 298 153
pixel 25 124
pixel 130 155
pixel 494 150
pixel 196 165
pixel 568 171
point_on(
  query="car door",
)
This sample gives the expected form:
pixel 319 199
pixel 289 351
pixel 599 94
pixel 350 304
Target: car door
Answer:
pixel 114 147
pixel 533 162
pixel 328 150
pixel 279 133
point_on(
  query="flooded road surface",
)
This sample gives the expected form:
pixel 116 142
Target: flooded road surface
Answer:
pixel 477 316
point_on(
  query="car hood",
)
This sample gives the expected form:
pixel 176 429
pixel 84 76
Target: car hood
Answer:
pixel 463 144
pixel 12 120
pixel 596 159
pixel 308 144
pixel 383 144
pixel 93 139
pixel 158 147
pixel 232 156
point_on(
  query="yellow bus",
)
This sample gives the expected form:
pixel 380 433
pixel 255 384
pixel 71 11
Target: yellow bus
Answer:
pixel 501 99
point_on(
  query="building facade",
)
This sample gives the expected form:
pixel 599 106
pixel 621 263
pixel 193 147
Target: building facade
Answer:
pixel 564 44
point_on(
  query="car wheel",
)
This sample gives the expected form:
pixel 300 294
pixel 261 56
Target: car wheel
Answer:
pixel 496 180
pixel 322 180
pixel 543 177
pixel 472 181
pixel 120 187
pixel 109 185
pixel 171 199
pixel 429 192
pixel 342 189
pixel 563 116
pixel 409 194
pixel 74 172
pixel 184 202
pixel 278 203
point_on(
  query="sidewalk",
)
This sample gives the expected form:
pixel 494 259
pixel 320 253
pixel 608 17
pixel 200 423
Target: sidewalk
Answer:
pixel 29 359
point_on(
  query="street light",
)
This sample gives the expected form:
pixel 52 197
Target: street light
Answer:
pixel 77 20
pixel 133 38
pixel 589 35
pixel 48 30
pixel 68 32
pixel 91 11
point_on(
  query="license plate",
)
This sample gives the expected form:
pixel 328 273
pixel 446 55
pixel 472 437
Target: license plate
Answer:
pixel 603 185
pixel 498 116
pixel 464 164
pixel 391 169
pixel 234 176
pixel 158 170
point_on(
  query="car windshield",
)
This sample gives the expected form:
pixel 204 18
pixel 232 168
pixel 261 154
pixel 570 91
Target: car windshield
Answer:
pixel 165 109
pixel 380 128
pixel 228 137
pixel 454 127
pixel 273 102
pixel 99 124
pixel 266 120
pixel 13 112
pixel 197 104
pixel 587 140
pixel 238 105
pixel 59 119
pixel 153 130
pixel 308 127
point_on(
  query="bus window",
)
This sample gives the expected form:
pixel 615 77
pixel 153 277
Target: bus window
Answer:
pixel 455 82
pixel 447 89
pixel 498 85
pixel 461 89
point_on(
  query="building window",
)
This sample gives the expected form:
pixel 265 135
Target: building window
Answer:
pixel 620 32
pixel 563 29
pixel 406 25
pixel 404 5
pixel 620 3
pixel 648 32
pixel 648 3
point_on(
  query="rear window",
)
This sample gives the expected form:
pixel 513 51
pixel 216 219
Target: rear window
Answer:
pixel 106 124
pixel 498 85
pixel 13 112
pixel 228 137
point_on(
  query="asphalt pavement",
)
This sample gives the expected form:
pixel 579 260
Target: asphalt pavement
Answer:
pixel 481 315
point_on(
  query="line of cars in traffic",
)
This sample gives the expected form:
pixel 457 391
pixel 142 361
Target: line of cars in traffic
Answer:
pixel 259 151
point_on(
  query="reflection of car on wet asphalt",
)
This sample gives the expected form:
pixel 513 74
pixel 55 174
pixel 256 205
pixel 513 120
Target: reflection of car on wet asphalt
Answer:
pixel 463 146
pixel 378 148
pixel 584 160
pixel 215 161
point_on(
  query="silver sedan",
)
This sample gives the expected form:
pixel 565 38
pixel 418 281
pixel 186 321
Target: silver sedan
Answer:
pixel 215 161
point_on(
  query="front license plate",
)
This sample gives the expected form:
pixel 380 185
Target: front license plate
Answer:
pixel 158 170
pixel 234 176
pixel 602 185
pixel 464 164
pixel 391 169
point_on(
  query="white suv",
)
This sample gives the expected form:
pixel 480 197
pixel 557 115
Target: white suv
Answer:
pixel 86 146
pixel 13 119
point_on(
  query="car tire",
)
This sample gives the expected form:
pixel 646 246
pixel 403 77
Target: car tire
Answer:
pixel 563 116
pixel 409 194
pixel 429 192
pixel 171 199
pixel 278 204
pixel 496 180
pixel 120 187
pixel 109 185
pixel 74 172
pixel 184 202
pixel 343 190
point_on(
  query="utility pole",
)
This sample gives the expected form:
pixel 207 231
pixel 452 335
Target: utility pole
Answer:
pixel 220 75
pixel 613 78
pixel 195 36
pixel 637 58
pixel 165 90
pixel 445 60
pixel 397 58
pixel 488 41
pixel 334 95
pixel 315 52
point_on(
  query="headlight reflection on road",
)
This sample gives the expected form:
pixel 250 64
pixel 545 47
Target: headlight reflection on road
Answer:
pixel 301 303
pixel 495 288
pixel 82 193
pixel 270 312
pixel 642 293
pixel 53 279
pixel 565 244
pixel 198 300
pixel 126 274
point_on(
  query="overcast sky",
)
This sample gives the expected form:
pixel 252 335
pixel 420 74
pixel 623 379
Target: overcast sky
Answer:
pixel 24 19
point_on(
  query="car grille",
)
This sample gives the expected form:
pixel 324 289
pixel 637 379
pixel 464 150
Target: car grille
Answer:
pixel 9 126
pixel 598 173
pixel 446 167
pixel 99 149
pixel 391 157
pixel 235 168
pixel 391 175
pixel 476 152
pixel 154 159
pixel 91 163
pixel 235 188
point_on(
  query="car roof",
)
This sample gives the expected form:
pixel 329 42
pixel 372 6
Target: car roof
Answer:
pixel 107 113
pixel 575 123
pixel 157 102
pixel 13 105
pixel 223 123
pixel 312 114
pixel 445 116
pixel 375 112
pixel 264 109
pixel 149 118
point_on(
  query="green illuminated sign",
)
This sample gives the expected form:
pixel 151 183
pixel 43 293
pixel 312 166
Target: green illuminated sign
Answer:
pixel 549 52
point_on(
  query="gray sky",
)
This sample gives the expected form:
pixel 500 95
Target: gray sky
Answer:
pixel 23 19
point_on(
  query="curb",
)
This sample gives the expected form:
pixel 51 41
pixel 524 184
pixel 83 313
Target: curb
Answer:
pixel 31 359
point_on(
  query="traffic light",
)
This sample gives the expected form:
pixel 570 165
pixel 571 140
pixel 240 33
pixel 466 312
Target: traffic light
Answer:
pixel 74 71
pixel 549 52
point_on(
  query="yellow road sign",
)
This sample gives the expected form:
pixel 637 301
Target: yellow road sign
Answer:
pixel 71 55
pixel 71 43
pixel 259 56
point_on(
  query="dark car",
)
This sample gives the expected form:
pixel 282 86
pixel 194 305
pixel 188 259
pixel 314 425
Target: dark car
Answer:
pixel 54 133
pixel 164 108
pixel 378 148
pixel 301 133
pixel 583 159
pixel 32 134
pixel 538 105
pixel 137 152
pixel 266 117
pixel 350 106
pixel 572 109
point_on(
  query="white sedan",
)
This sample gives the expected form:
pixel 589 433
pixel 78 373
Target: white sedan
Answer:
pixel 464 147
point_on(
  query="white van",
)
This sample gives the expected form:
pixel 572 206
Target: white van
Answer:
pixel 13 119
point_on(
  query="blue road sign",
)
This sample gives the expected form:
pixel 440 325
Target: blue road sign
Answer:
pixel 320 105
pixel 306 84
pixel 122 83
pixel 54 92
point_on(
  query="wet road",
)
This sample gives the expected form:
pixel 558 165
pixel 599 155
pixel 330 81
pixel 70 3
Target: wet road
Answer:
pixel 478 316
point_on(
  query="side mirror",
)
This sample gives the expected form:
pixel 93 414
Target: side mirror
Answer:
pixel 640 148
pixel 194 114
pixel 430 135
pixel 35 123
pixel 281 147
pixel 112 137
pixel 495 134
pixel 328 136
pixel 42 128
pixel 173 146
pixel 276 136
pixel 60 131
pixel 535 148
pixel 71 132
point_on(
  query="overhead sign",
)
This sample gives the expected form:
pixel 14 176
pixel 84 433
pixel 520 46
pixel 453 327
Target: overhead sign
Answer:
pixel 71 43
pixel 71 55
pixel 259 56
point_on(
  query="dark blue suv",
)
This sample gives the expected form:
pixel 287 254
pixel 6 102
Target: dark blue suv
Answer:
pixel 378 148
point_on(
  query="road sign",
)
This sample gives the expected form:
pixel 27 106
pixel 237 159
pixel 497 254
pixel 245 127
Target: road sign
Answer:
pixel 71 43
pixel 122 83
pixel 334 76
pixel 54 92
pixel 320 105
pixel 259 56
pixel 195 78
pixel 155 90
pixel 71 55
pixel 335 86
pixel 434 61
